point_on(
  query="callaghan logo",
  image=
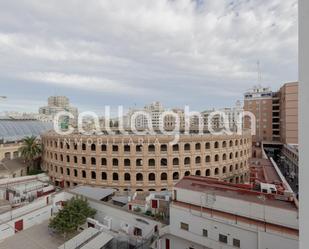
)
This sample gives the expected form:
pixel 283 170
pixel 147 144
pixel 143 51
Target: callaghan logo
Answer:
pixel 142 122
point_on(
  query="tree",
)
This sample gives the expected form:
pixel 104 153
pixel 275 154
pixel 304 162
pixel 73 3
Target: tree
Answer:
pixel 30 150
pixel 74 213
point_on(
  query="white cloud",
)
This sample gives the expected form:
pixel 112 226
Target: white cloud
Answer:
pixel 157 48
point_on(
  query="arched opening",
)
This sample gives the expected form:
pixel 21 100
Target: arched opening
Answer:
pixel 68 171
pixel 175 161
pixel 151 177
pixel 198 160
pixel 103 161
pixel 75 159
pixel 68 159
pixel 175 147
pixel 127 177
pixel 103 147
pixel 198 173
pixel 83 146
pixel 163 162
pixel 216 158
pixel 115 148
pixel 207 159
pixel 216 145
pixel 224 144
pixel 93 175
pixel 207 173
pixel 187 173
pixel 197 146
pixel 224 170
pixel 175 176
pixel 163 147
pixel 126 148
pixel 207 146
pixel 115 177
pixel 139 177
pixel 75 173
pixel 83 160
pixel 139 162
pixel 93 161
pixel 187 146
pixel 151 148
pixel 163 177
pixel 231 168
pixel 93 147
pixel 216 171
pixel 127 162
pixel 103 176
pixel 83 173
pixel 231 143
pixel 151 162
pixel 115 162
pixel 231 155
pixel 187 160
pixel 224 156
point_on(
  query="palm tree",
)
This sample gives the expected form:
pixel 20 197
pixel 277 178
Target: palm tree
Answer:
pixel 30 150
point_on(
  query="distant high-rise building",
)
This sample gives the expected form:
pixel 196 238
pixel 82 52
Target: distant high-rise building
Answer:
pixel 276 113
pixel 57 104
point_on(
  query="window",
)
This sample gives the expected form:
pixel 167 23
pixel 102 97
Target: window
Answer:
pixel 103 176
pixel 163 177
pixel 175 176
pixel 175 161
pixel 236 243
pixel 103 147
pixel 139 177
pixel 175 147
pixel 151 162
pixel 223 238
pixel 127 148
pixel 205 232
pixel 93 147
pixel 127 177
pixel 115 148
pixel 187 147
pixel 127 162
pixel 151 148
pixel 115 177
pixel 163 147
pixel 184 226
pixel 115 162
pixel 151 177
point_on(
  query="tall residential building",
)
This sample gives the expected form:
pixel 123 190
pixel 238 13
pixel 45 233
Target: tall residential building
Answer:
pixel 57 104
pixel 275 113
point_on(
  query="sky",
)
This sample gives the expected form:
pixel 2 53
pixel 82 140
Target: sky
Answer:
pixel 201 53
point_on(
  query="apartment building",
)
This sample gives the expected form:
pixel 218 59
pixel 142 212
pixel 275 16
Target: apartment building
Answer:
pixel 57 104
pixel 276 113
pixel 208 213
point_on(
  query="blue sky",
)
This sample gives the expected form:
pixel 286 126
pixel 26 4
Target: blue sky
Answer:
pixel 197 53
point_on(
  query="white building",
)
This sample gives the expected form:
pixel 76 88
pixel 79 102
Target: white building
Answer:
pixel 207 213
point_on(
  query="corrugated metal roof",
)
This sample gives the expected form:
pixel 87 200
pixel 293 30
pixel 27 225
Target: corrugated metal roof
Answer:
pixel 95 193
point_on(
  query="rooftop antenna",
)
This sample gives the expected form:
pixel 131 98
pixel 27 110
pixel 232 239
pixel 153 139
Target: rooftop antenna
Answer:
pixel 259 72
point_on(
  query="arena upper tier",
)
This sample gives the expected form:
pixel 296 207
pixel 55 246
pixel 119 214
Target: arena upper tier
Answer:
pixel 143 162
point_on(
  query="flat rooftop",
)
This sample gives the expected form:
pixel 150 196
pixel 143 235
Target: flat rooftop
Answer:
pixel 263 170
pixel 95 193
pixel 243 192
